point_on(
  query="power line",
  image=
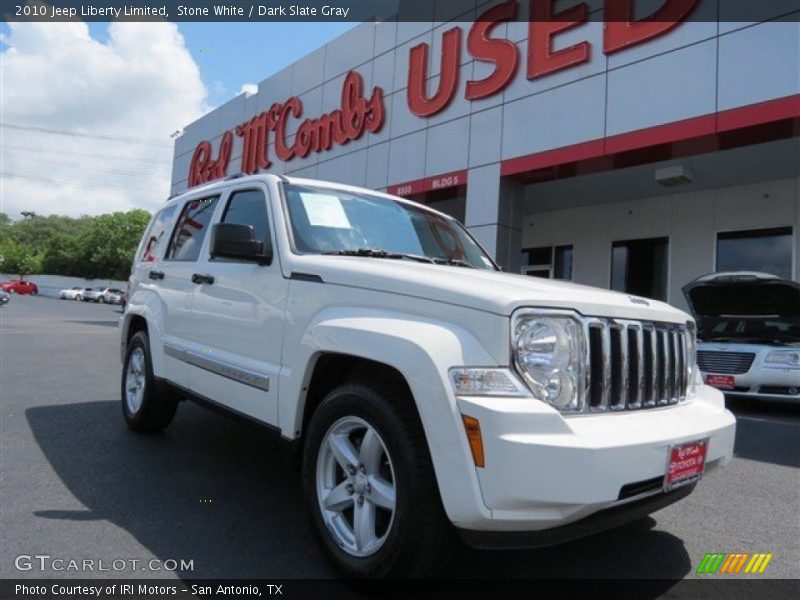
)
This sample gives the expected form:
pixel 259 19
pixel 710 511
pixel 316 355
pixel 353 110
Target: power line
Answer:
pixel 77 184
pixel 31 150
pixel 98 136
pixel 99 168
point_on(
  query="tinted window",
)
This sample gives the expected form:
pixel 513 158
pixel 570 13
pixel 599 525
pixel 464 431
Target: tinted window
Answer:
pixel 248 207
pixel 191 229
pixel 764 250
pixel 640 267
pixel 154 242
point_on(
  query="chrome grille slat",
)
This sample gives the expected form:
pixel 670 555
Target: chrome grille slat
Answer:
pixel 606 389
pixel 640 368
pixel 623 368
pixel 726 363
pixel 637 364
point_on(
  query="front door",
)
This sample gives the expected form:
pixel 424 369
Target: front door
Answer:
pixel 238 309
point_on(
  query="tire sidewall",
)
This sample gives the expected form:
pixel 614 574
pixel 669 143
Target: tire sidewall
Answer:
pixel 138 419
pixel 355 400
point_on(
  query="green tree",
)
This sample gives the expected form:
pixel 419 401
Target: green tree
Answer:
pixel 110 242
pixel 62 256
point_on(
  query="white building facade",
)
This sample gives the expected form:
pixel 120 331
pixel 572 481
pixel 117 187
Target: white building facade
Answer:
pixel 622 155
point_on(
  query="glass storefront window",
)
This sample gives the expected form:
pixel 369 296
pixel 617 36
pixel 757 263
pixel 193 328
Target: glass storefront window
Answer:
pixel 548 262
pixel 639 267
pixel 762 250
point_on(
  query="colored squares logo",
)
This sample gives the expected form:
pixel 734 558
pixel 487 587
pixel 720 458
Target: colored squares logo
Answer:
pixel 734 563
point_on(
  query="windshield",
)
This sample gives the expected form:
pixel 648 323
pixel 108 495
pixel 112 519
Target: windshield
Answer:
pixel 328 221
pixel 756 329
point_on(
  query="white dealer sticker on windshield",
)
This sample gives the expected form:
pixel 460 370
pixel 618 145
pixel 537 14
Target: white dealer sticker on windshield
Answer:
pixel 324 210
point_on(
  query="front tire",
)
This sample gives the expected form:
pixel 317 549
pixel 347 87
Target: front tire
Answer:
pixel 370 486
pixel 144 404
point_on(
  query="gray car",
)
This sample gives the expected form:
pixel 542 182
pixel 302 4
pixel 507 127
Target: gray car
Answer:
pixel 748 333
pixel 4 297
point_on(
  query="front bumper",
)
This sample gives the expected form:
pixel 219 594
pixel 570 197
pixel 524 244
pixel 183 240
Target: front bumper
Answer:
pixel 780 385
pixel 606 519
pixel 545 470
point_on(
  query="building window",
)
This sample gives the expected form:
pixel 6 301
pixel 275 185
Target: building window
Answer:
pixel 549 262
pixel 639 267
pixel 762 250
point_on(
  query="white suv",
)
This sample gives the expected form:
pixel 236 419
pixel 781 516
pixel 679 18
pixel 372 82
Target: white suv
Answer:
pixel 430 393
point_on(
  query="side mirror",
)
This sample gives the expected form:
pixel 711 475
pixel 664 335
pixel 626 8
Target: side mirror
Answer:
pixel 229 240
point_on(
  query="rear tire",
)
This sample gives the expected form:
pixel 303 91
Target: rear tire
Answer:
pixel 409 534
pixel 145 405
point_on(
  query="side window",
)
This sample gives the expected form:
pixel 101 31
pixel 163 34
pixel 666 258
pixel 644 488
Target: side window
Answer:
pixel 154 239
pixel 249 207
pixel 191 229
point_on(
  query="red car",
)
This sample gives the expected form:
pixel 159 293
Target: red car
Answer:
pixel 20 287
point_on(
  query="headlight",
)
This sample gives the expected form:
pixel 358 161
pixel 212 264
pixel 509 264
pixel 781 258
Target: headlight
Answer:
pixel 547 355
pixel 783 358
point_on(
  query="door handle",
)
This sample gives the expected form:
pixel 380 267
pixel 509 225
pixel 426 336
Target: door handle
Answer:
pixel 156 274
pixel 198 278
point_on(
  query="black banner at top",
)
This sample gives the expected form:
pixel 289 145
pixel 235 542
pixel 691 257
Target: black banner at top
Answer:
pixel 383 10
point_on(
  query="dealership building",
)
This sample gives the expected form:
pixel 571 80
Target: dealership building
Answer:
pixel 633 155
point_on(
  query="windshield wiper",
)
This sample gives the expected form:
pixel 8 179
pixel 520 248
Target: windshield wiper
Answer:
pixel 375 253
pixel 456 262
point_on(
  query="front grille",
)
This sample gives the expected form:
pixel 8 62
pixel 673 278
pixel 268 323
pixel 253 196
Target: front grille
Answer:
pixel 629 490
pixel 780 390
pixel 726 363
pixel 634 364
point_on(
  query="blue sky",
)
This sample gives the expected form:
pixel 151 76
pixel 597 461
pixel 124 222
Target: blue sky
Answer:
pixel 232 54
pixel 143 84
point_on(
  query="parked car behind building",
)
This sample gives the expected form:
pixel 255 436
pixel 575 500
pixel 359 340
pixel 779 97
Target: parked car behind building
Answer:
pixel 748 333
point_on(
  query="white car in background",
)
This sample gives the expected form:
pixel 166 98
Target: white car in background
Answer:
pixel 111 296
pixel 73 293
pixel 93 294
pixel 748 334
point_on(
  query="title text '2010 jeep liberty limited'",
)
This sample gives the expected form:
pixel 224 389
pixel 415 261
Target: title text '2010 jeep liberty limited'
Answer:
pixel 432 394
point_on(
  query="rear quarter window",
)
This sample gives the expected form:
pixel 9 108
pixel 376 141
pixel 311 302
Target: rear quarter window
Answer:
pixel 155 239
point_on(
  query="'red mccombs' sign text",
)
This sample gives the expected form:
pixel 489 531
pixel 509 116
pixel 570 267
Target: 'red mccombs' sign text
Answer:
pixel 358 114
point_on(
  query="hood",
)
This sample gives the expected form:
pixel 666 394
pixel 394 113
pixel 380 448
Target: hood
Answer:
pixel 491 291
pixel 742 294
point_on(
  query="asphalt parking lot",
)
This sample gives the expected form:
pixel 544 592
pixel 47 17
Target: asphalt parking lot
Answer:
pixel 76 483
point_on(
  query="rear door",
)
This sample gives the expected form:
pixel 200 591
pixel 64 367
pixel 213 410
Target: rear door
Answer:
pixel 238 310
pixel 170 276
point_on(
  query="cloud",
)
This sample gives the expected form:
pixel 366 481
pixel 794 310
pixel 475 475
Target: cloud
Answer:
pixel 141 84
pixel 249 89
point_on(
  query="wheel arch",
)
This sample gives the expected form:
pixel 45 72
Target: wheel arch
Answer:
pixel 404 350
